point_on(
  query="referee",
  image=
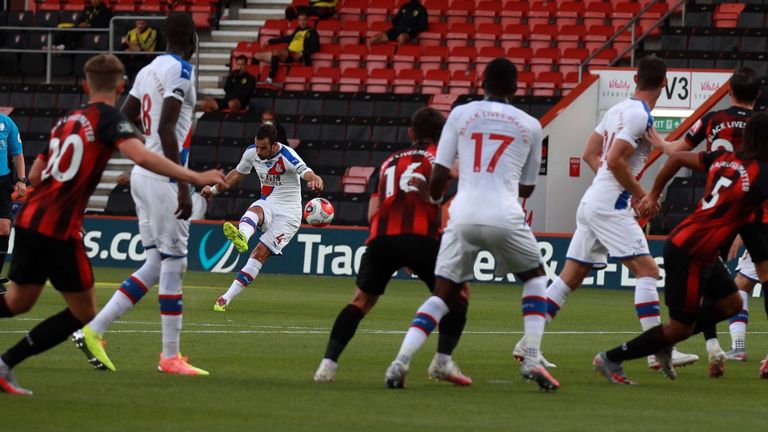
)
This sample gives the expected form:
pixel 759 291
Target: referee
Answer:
pixel 10 141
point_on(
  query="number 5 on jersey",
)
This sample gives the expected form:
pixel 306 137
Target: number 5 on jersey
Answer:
pixel 478 138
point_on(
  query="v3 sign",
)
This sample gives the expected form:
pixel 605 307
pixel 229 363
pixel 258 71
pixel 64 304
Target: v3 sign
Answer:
pixel 686 89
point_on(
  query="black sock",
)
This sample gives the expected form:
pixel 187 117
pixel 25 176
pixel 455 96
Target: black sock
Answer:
pixel 343 330
pixel 4 311
pixel 650 342
pixel 451 326
pixel 706 317
pixel 46 335
pixel 3 250
pixel 273 67
pixel 710 332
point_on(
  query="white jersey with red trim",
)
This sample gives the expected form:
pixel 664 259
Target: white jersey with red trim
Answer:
pixel 280 178
pixel 168 76
pixel 628 121
pixel 499 148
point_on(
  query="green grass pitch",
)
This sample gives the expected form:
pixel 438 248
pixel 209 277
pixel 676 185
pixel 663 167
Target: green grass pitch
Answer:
pixel 263 352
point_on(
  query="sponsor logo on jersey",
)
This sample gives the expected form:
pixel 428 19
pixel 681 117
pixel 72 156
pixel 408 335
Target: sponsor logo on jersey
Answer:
pixel 124 127
pixel 2 127
pixel 179 92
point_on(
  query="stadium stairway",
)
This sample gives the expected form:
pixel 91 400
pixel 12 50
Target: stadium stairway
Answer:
pixel 243 24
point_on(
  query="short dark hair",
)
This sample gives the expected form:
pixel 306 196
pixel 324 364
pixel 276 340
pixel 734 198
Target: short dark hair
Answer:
pixel 745 84
pixel 179 30
pixel 241 57
pixel 755 142
pixel 427 124
pixel 267 131
pixel 103 73
pixel 651 72
pixel 500 77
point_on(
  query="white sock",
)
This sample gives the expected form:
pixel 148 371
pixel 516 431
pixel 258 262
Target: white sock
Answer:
pixel 556 294
pixel 131 291
pixel 712 345
pixel 329 362
pixel 2 364
pixel 171 303
pixel 738 324
pixel 647 302
pixel 243 278
pixel 534 313
pixel 248 224
pixel 444 358
pixel 429 314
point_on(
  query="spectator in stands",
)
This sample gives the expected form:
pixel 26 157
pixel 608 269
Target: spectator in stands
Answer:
pixel 321 9
pixel 10 142
pixel 237 89
pixel 141 38
pixel 411 19
pixel 97 15
pixel 268 117
pixel 301 45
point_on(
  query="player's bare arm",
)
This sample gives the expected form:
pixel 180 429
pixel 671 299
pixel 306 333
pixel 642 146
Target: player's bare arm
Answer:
pixel 314 182
pixel 169 116
pixel 671 166
pixel 232 179
pixel 668 147
pixel 593 151
pixel 134 149
pixel 617 161
pixel 438 182
pixel 131 108
pixel 525 191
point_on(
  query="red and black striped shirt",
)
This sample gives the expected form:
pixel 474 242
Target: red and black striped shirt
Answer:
pixel 402 210
pixel 735 189
pixel 720 130
pixel 81 144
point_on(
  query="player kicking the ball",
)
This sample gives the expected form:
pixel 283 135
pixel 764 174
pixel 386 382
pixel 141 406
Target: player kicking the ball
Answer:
pixel 163 98
pixel 404 233
pixel 49 241
pixel 499 152
pixel 277 214
pixel 616 151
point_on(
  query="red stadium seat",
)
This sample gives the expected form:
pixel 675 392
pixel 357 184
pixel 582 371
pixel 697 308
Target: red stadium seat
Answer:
pixel 351 32
pixel 352 10
pixel 327 30
pixel 569 12
pixel 245 49
pixel 433 36
pixel 544 59
pixel 571 59
pixel 513 12
pixel 377 27
pixel 459 11
pixel 351 55
pixel 653 15
pixel 352 79
pixel 541 12
pixel 298 77
pixel 406 81
pixel 378 56
pixel 406 57
pixel 487 12
pixel 624 12
pixel 434 81
pixel 459 34
pixel 486 54
pixel 433 57
pixel 524 82
pixel 379 80
pixel 596 13
pixel 324 79
pixel 435 9
pixel 547 84
pixel 570 36
pixel 514 35
pixel 542 36
pixel 604 57
pixel 462 82
pixel 487 34
pixel 326 56
pixel 272 28
pixel 201 15
pixel 461 57
pixel 597 36
pixel 442 102
pixel 521 57
pixel 727 15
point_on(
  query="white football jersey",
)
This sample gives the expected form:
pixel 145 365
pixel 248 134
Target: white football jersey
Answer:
pixel 499 148
pixel 280 177
pixel 168 76
pixel 627 121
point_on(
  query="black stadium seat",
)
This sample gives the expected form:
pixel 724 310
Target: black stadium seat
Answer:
pixel 333 128
pixel 9 62
pixel 202 158
pixel 220 206
pixel 47 19
pixel 34 64
pixel 308 128
pixel 311 103
pixel 250 183
pixel 22 96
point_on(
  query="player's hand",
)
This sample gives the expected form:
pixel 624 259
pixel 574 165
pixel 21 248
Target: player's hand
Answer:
pixel 20 189
pixel 206 193
pixel 184 211
pixel 653 137
pixel 733 252
pixel 209 177
pixel 648 207
pixel 316 184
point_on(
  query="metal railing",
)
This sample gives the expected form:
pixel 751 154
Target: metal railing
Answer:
pixel 49 49
pixel 631 25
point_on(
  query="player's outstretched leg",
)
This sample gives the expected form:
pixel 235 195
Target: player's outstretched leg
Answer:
pixel 243 278
pixel 171 315
pixel 737 325
pixel 425 321
pixel 343 330
pixel 443 367
pixel 90 339
pixel 556 294
pixel 612 371
pixel 42 337
pixel 239 235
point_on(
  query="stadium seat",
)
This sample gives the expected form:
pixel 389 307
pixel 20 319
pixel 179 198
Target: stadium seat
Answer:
pixel 287 103
pixel 487 35
pixel 406 57
pixel 486 12
pixel 378 57
pixel 542 36
pixel 34 64
pixel 459 35
pixel 433 36
pixel 48 18
pixel 514 36
pixel 461 57
pixel 596 13
pixel 327 30
pixel 352 79
pixel 351 55
pixel 434 81
pixel 250 183
pixel 544 59
pixel 434 57
pixel 570 36
pixel 309 128
pixel 359 129
pixel 569 12
pixel 333 128
pixel 351 32
pixel 221 206
pixel 540 12
pixel 406 81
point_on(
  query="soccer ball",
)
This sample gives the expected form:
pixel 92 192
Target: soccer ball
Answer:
pixel 318 212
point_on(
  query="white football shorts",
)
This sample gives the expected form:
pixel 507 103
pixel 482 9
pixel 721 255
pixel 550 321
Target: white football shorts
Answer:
pixel 515 250
pixel 747 268
pixel 603 232
pixel 278 227
pixel 156 204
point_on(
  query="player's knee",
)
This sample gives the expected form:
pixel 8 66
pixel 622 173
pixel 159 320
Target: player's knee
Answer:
pixel 364 301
